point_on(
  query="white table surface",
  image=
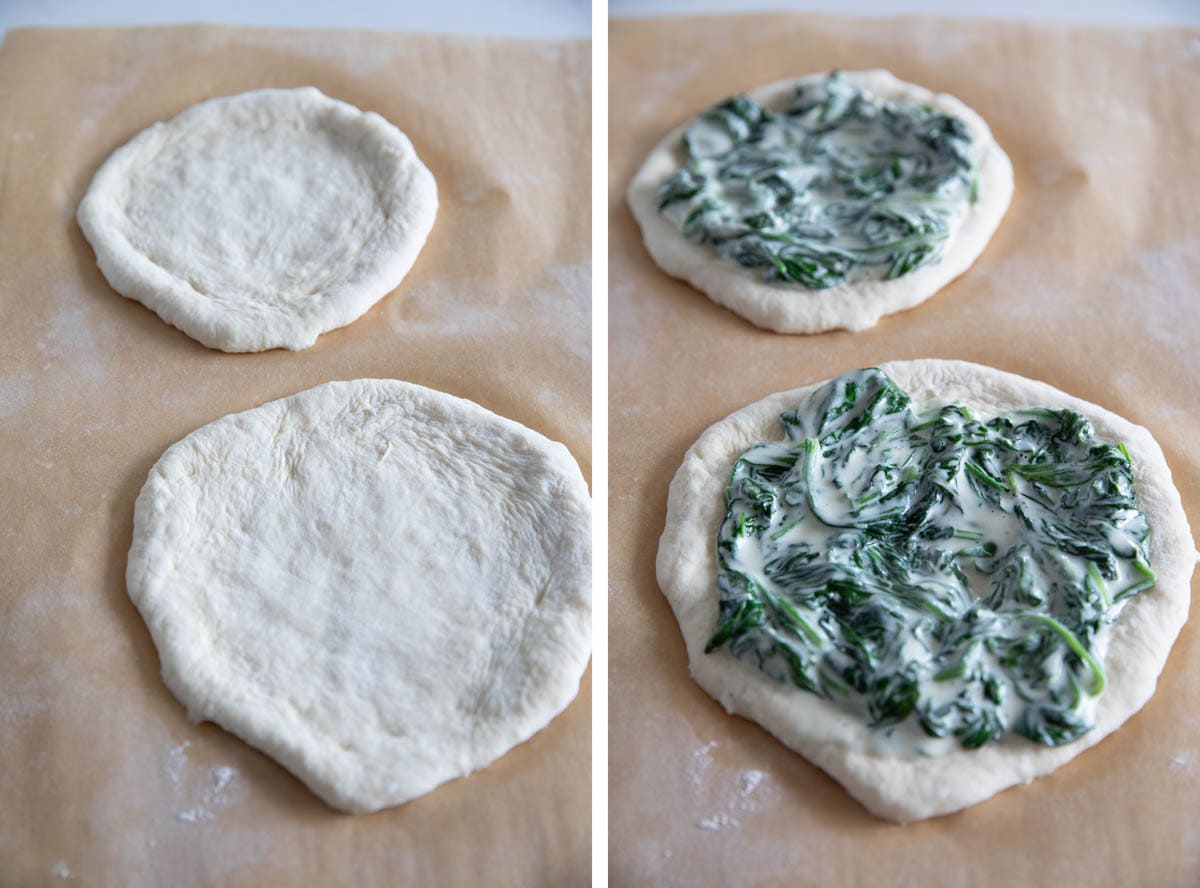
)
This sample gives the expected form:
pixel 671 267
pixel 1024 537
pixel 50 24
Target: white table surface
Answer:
pixel 551 18
pixel 517 18
pixel 1099 12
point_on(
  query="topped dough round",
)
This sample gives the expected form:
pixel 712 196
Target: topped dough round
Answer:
pixel 381 586
pixel 852 303
pixel 261 220
pixel 898 784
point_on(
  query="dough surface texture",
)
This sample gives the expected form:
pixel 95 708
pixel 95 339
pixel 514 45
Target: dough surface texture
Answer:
pixel 379 585
pixel 852 306
pixel 260 220
pixel 913 788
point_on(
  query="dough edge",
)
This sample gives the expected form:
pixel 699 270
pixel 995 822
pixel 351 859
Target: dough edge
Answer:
pixel 225 702
pixel 137 277
pixel 853 306
pixel 914 789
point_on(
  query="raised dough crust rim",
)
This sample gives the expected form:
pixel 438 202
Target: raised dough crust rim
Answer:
pixel 912 789
pixel 854 306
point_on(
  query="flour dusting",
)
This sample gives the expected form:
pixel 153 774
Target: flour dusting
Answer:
pixel 1183 760
pixel 718 821
pixel 15 392
pixel 176 763
pixel 749 781
pixel 568 304
pixel 74 337
pixel 216 795
pixel 18 706
pixel 363 58
pixel 700 763
pixel 1165 278
pixel 61 870
pixel 449 306
pixel 666 82
pixel 106 95
pixel 728 798
pixel 575 279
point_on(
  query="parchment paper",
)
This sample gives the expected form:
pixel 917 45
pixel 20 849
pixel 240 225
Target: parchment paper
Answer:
pixel 1090 284
pixel 103 780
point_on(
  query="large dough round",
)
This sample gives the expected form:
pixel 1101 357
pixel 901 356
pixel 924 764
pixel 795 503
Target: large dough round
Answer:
pixel 381 586
pixel 261 220
pixel 897 788
pixel 791 308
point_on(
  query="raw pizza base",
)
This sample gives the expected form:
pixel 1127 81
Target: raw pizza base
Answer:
pixel 261 220
pixel 904 789
pixel 381 586
pixel 789 308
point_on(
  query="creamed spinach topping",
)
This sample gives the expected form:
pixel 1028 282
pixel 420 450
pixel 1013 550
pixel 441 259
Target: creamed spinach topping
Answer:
pixel 936 574
pixel 840 186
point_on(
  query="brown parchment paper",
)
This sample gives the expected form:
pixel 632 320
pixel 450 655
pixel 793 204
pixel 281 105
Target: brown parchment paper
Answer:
pixel 1090 284
pixel 103 780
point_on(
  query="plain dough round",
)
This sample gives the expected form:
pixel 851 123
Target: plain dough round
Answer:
pixel 381 586
pixel 790 308
pixel 261 220
pixel 896 788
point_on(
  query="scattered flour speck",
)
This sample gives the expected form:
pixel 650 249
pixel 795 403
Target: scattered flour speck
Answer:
pixel 61 870
pixel 176 762
pixel 701 762
pixel 749 781
pixel 1183 761
pixel 216 795
pixel 718 821
pixel 221 778
pixel 753 793
pixel 746 794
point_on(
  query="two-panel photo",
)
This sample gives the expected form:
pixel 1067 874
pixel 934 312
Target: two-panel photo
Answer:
pixel 552 444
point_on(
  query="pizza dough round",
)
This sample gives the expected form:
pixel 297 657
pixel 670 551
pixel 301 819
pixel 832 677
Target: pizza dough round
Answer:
pixel 913 788
pixel 261 220
pixel 789 308
pixel 381 586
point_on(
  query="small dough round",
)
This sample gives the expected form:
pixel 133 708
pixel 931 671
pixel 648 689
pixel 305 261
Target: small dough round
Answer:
pixel 914 788
pixel 790 308
pixel 261 220
pixel 381 586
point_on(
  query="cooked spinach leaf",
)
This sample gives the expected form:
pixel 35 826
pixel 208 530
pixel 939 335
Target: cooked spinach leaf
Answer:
pixel 958 572
pixel 839 186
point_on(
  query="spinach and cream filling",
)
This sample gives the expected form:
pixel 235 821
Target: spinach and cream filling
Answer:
pixel 946 578
pixel 840 186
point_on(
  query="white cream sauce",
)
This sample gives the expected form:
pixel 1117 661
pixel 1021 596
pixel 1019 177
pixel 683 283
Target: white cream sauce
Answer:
pixel 795 523
pixel 814 158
